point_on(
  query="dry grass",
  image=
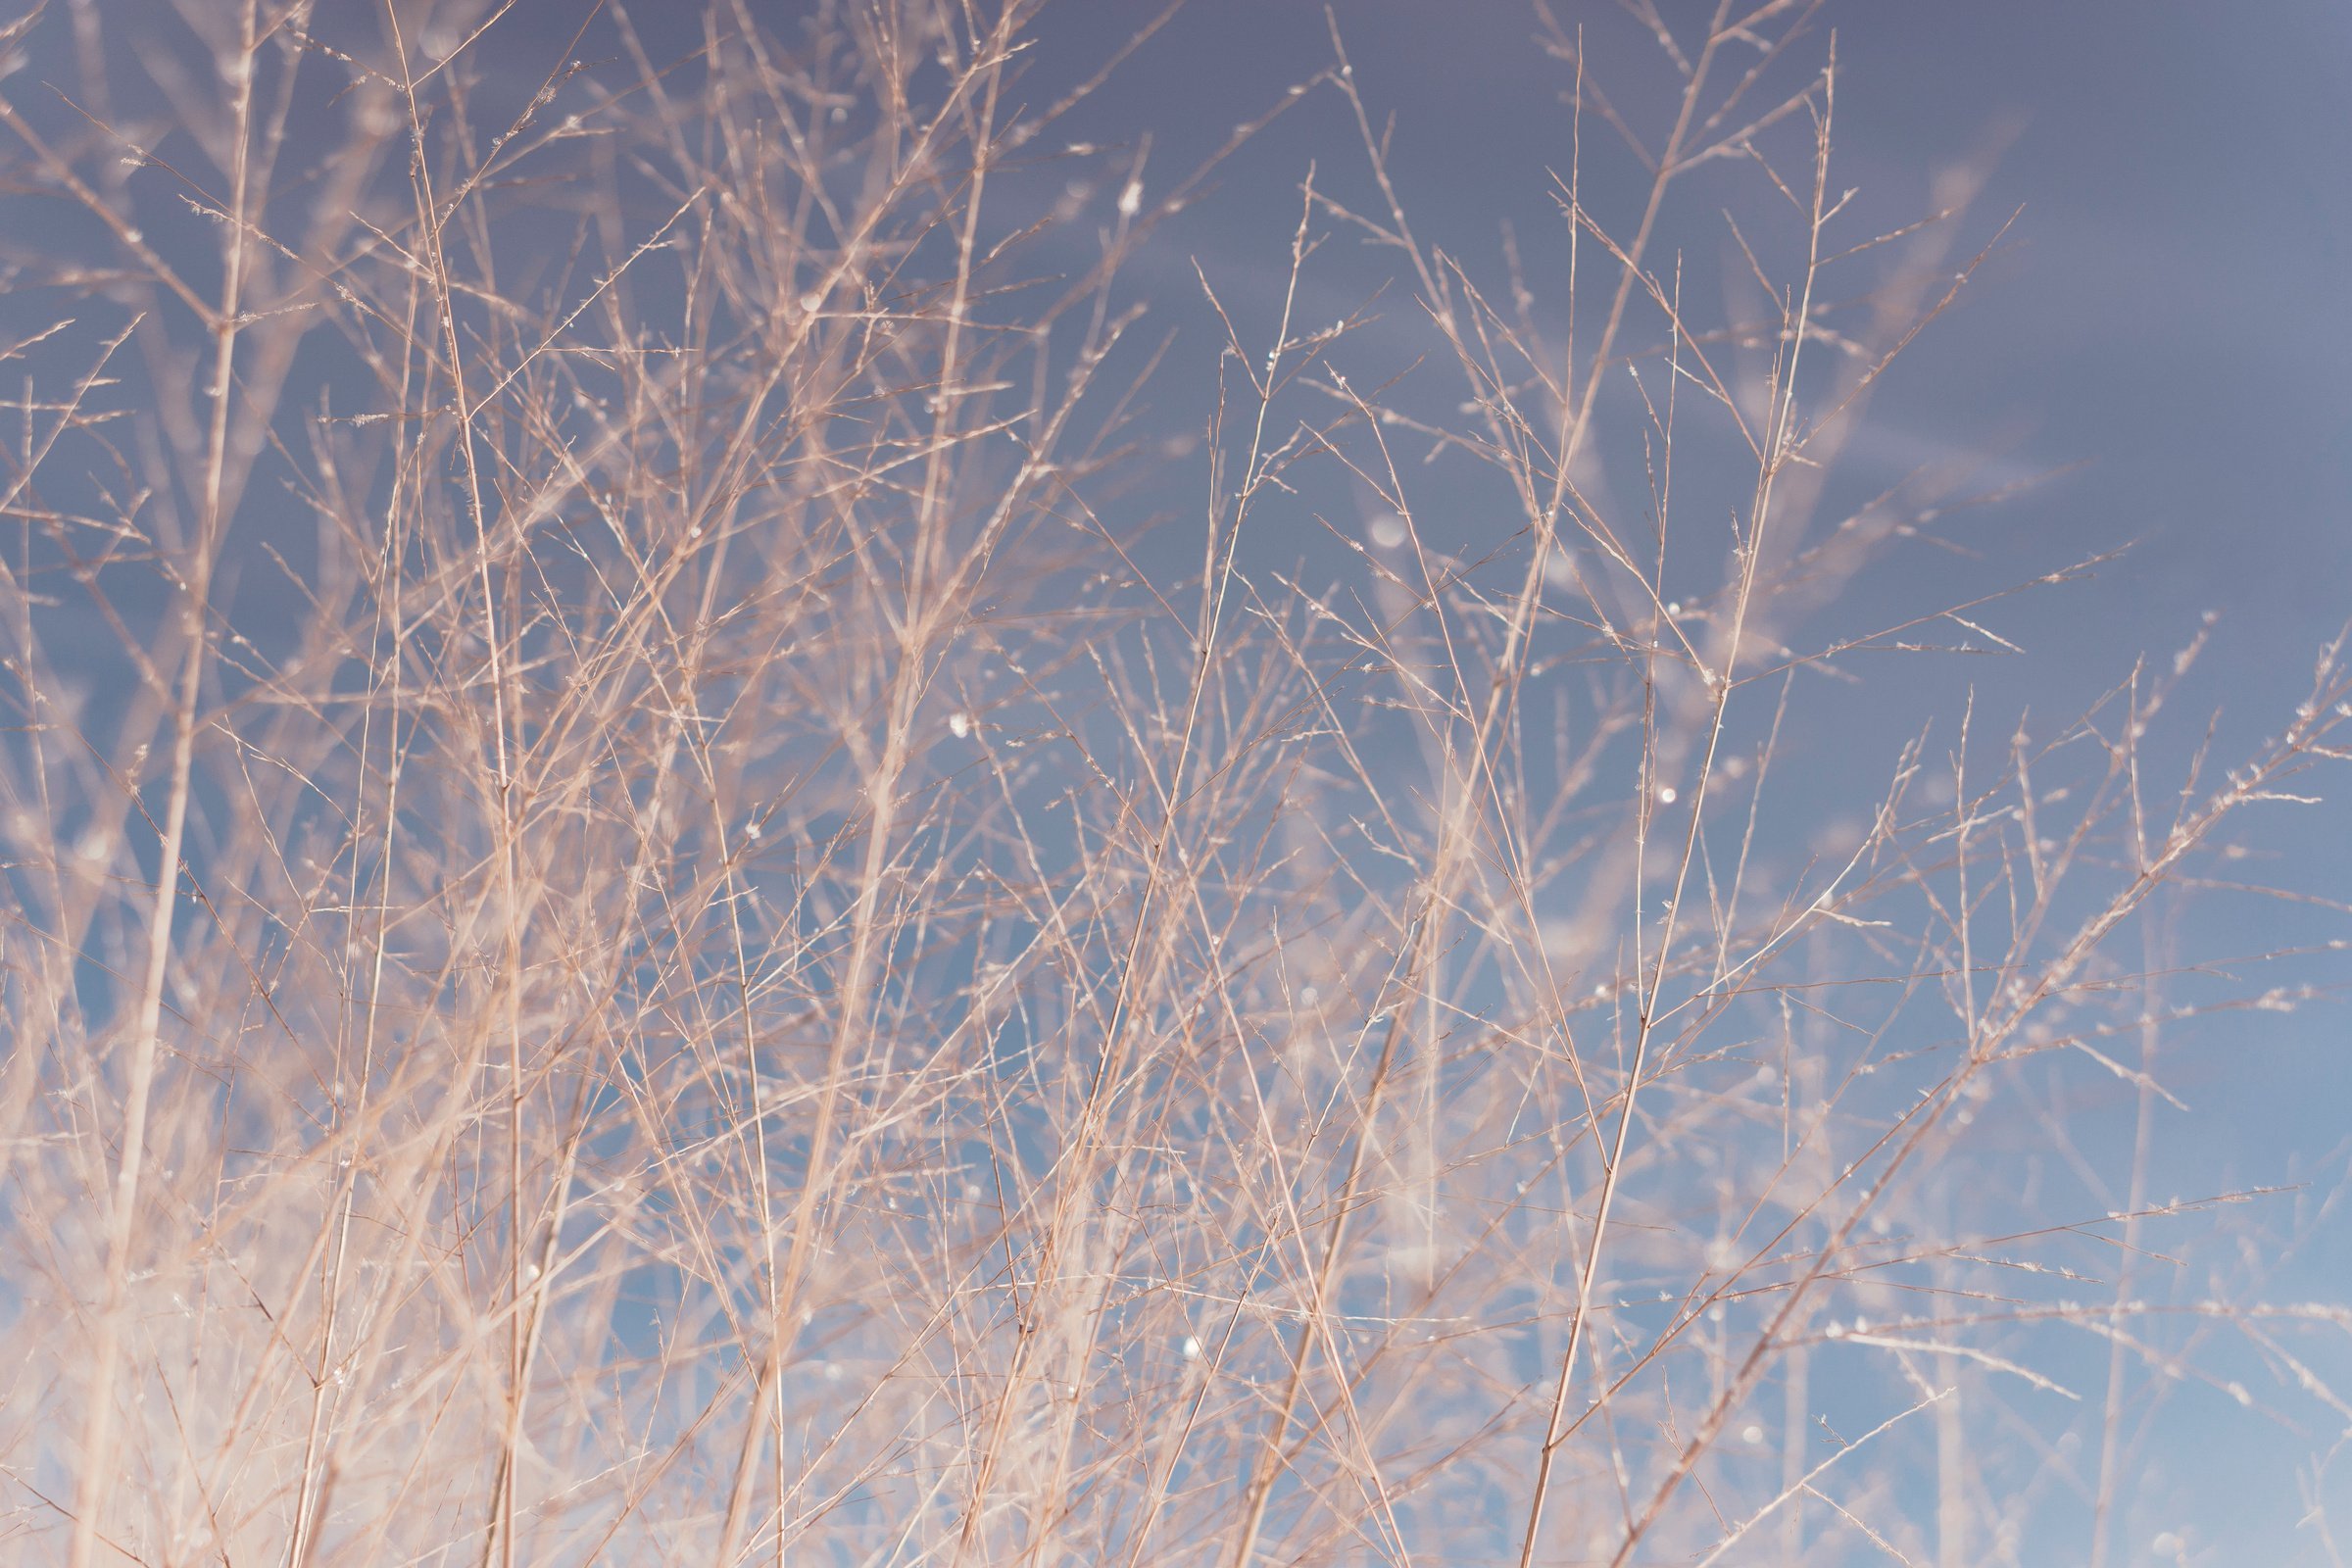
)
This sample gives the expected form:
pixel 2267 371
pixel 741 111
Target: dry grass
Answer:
pixel 649 928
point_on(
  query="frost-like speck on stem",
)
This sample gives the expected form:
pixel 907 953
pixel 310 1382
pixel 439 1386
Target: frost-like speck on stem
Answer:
pixel 959 726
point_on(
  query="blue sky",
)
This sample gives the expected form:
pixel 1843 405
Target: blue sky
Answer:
pixel 2162 309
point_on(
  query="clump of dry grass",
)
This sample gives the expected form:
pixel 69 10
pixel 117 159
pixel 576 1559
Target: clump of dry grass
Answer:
pixel 648 929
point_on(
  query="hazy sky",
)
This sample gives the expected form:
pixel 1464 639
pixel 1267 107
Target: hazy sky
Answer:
pixel 2164 309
